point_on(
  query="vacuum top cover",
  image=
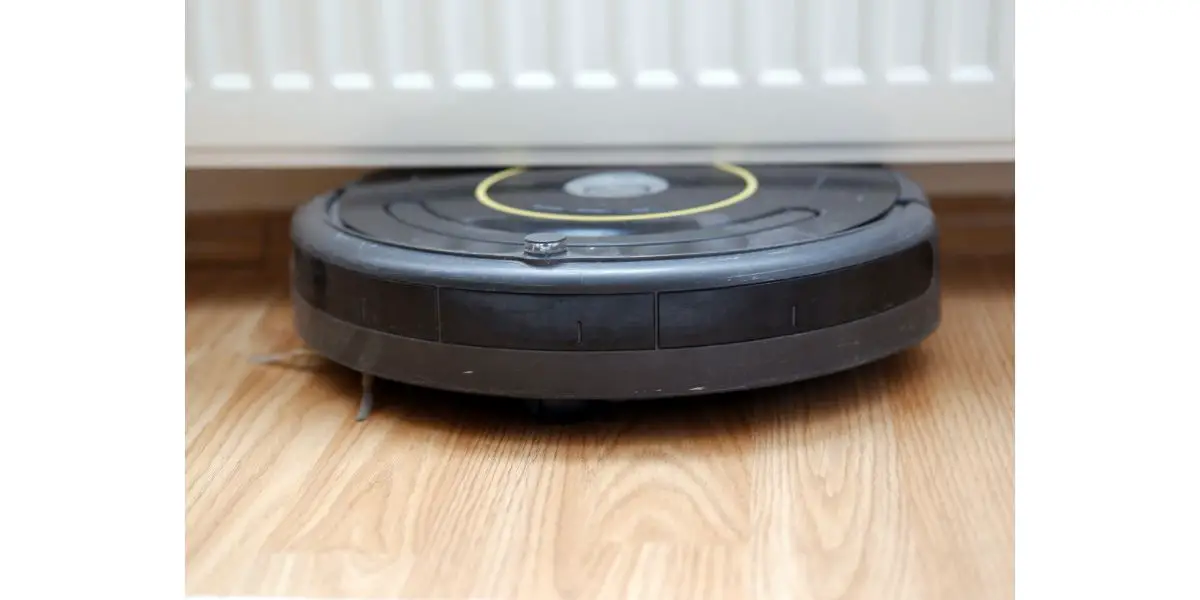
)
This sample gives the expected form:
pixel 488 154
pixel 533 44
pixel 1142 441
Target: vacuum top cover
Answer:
pixel 617 214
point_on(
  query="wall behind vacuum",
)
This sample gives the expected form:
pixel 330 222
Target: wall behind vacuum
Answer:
pixel 257 190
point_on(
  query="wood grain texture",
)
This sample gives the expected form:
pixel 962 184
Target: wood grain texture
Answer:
pixel 892 481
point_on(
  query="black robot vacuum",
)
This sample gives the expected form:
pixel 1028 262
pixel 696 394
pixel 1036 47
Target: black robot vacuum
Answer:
pixel 565 285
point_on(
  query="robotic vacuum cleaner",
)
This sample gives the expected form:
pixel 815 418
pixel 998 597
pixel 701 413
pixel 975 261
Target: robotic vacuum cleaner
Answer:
pixel 562 285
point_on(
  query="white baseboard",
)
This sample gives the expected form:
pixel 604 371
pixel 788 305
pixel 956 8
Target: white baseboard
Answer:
pixel 232 190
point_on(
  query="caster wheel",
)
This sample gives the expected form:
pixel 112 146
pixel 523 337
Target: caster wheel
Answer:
pixel 557 411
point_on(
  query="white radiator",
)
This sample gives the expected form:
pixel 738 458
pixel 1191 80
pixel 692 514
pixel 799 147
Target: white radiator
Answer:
pixel 369 82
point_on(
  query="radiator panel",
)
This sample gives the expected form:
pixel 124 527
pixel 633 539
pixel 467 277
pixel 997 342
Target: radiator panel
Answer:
pixel 318 82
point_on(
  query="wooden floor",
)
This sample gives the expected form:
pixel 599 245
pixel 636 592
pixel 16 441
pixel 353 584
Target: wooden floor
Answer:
pixel 891 482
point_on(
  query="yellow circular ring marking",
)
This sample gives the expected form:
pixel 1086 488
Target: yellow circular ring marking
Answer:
pixel 484 198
